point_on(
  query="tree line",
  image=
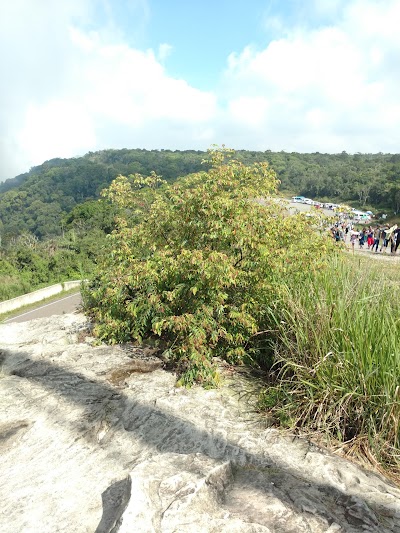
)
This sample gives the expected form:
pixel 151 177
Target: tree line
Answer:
pixel 39 201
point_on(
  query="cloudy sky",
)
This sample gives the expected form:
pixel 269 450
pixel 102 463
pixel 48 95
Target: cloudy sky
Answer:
pixel 293 75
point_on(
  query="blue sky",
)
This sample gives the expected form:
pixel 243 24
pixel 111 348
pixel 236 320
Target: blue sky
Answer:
pixel 309 75
pixel 202 35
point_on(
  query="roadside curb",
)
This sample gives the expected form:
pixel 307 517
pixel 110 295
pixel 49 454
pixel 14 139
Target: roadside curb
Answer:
pixel 37 296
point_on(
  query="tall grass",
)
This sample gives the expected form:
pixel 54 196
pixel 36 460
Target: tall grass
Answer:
pixel 337 358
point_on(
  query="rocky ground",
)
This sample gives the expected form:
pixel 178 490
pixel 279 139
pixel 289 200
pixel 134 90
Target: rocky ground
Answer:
pixel 99 439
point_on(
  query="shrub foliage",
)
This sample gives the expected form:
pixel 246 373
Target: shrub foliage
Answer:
pixel 197 264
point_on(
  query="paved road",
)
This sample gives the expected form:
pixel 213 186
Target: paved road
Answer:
pixel 297 206
pixel 66 304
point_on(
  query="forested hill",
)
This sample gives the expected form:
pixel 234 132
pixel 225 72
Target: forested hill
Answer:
pixel 39 200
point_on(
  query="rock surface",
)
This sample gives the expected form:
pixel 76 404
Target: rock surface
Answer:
pixel 99 439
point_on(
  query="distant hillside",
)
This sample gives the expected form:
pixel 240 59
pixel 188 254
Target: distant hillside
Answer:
pixel 36 201
pixel 39 200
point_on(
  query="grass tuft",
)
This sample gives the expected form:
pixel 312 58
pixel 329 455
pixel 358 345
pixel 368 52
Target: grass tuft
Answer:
pixel 337 359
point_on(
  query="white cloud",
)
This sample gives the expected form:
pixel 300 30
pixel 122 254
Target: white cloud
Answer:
pixel 59 128
pixel 249 111
pixel 324 60
pixel 78 90
pixel 327 7
pixel 164 50
pixel 34 66
pixel 70 86
pixel 130 86
pixel 330 89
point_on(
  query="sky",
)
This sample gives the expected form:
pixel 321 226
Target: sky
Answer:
pixel 292 75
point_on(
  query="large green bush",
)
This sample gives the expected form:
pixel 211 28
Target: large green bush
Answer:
pixel 198 263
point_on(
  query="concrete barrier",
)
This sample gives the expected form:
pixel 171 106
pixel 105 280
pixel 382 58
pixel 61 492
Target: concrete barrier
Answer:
pixel 37 296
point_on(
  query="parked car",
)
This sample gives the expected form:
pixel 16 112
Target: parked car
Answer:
pixel 298 199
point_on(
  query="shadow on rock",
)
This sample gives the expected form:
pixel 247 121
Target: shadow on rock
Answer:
pixel 115 500
pixel 269 475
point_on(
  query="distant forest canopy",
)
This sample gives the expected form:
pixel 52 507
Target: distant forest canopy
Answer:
pixel 60 191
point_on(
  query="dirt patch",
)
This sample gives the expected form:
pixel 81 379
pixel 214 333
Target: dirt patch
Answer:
pixel 119 375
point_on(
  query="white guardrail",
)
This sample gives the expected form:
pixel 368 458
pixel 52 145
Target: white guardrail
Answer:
pixel 37 296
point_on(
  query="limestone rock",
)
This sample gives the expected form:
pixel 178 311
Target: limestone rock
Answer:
pixel 99 439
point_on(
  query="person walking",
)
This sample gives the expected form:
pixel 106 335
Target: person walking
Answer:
pixel 370 237
pixel 394 244
pixel 353 238
pixel 377 234
pixel 362 238
pixel 384 240
pixel 389 237
pixel 397 239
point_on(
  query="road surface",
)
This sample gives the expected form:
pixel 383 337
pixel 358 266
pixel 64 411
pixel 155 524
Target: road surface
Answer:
pixel 66 304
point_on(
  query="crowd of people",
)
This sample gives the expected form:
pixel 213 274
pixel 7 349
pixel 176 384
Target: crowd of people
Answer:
pixel 378 239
